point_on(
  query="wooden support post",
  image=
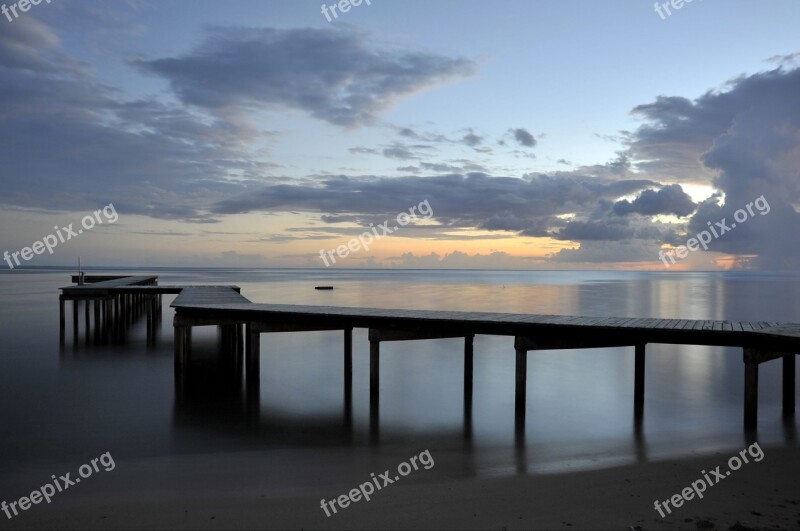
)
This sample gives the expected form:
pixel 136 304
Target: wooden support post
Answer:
pixel 788 384
pixel 86 326
pixel 239 345
pixel 348 377
pixel 75 303
pixel 183 344
pixel 96 320
pixel 253 359
pixel 227 354
pixel 638 385
pixel 232 339
pixel 101 304
pixel 374 390
pixel 151 328
pixel 108 318
pixel 374 371
pixel 348 362
pixel 348 355
pixel 750 395
pixel 522 376
pixel 520 398
pixel 120 317
pixel 468 351
pixel 61 322
pixel 223 338
pixel 468 364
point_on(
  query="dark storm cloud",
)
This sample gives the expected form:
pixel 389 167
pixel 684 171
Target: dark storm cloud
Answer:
pixel 471 200
pixel 747 138
pixel 668 200
pixel 609 229
pixel 338 76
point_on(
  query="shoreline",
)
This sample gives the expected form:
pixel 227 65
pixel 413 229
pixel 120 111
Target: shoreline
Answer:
pixel 183 493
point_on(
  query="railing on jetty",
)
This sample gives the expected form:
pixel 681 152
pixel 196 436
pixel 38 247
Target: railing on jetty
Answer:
pixel 225 307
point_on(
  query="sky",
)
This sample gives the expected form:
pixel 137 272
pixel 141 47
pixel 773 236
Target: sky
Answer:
pixel 531 134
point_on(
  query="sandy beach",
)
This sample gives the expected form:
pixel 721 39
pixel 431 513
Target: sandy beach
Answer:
pixel 227 491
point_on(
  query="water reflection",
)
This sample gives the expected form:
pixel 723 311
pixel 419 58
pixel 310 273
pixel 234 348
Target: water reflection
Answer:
pixel 213 399
pixel 578 412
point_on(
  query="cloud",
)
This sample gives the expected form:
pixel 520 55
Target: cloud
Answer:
pixel 668 200
pixel 336 75
pixel 364 151
pixel 746 141
pixel 471 139
pixel 507 221
pixel 785 60
pixel 72 143
pixel 524 138
pixel 459 166
pixel 25 45
pixel 608 252
pixel 466 201
pixel 614 229
pixel 404 151
pixel 75 144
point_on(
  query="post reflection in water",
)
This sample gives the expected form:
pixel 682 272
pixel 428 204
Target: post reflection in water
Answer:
pixel 213 394
pixel 114 320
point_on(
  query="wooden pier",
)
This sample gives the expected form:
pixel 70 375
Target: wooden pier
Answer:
pixel 225 307
pixel 112 303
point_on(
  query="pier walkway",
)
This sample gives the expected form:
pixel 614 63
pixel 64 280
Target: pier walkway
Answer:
pixel 761 341
pixel 225 307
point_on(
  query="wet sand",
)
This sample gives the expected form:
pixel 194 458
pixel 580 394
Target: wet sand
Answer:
pixel 228 491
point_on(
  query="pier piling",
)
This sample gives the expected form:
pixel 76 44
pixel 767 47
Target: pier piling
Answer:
pixel 638 385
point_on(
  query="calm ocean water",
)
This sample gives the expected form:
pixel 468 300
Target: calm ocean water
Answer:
pixel 62 405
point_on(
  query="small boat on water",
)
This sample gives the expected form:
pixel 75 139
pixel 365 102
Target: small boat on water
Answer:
pixel 323 287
